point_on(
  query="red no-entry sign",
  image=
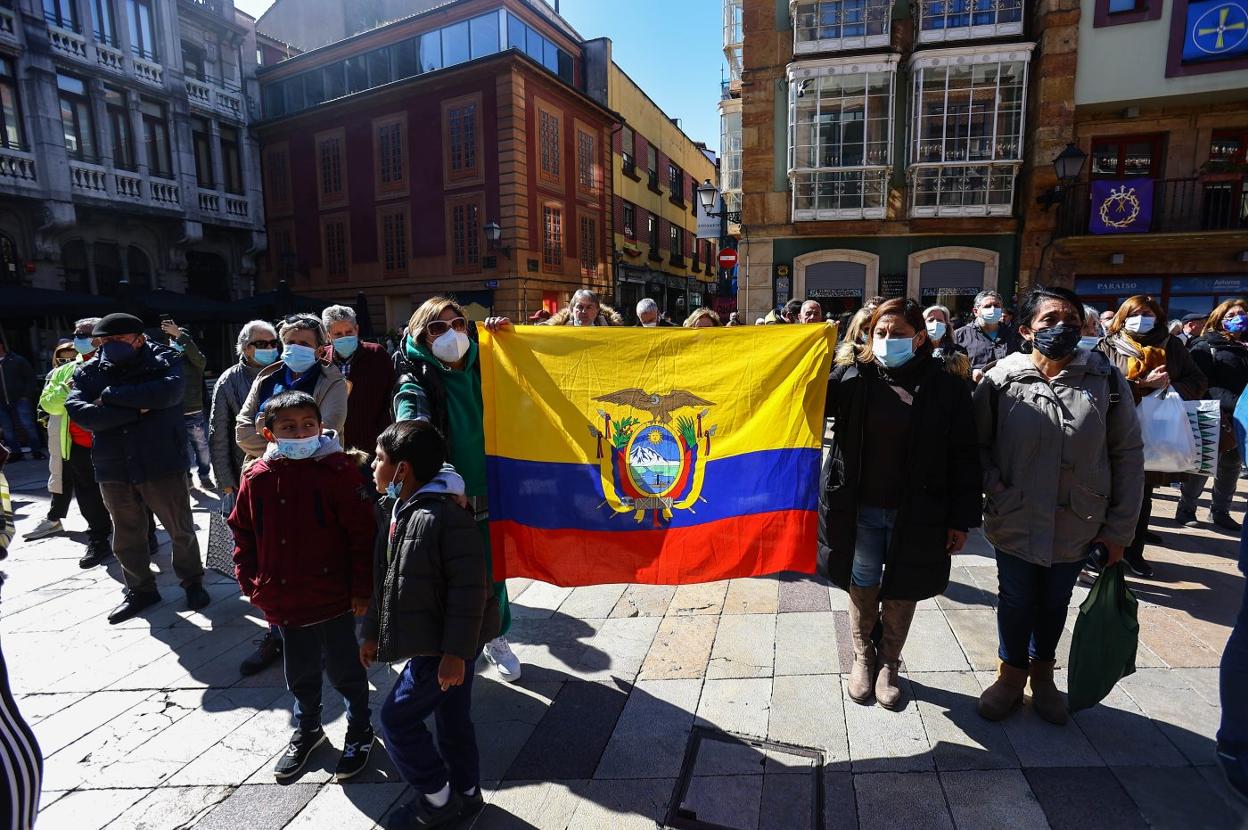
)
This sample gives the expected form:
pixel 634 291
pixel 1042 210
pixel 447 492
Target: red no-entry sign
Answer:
pixel 728 258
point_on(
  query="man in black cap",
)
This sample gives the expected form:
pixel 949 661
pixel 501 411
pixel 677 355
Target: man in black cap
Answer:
pixel 130 397
pixel 1192 325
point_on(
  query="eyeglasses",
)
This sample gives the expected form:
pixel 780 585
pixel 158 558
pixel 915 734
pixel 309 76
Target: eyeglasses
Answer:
pixel 265 344
pixel 440 327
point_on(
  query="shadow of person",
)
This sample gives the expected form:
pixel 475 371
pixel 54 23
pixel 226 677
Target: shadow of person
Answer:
pixel 1209 594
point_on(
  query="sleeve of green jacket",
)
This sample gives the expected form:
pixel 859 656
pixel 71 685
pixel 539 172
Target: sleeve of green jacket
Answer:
pixel 1125 449
pixel 192 354
pixel 56 390
pixel 412 404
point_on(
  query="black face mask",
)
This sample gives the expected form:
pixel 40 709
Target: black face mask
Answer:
pixel 1057 342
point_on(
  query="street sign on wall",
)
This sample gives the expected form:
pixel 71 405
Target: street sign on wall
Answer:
pixel 728 258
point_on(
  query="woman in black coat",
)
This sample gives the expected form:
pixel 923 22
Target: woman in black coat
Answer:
pixel 1221 353
pixel 901 487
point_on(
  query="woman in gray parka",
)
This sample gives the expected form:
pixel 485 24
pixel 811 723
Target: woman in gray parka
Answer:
pixel 1063 469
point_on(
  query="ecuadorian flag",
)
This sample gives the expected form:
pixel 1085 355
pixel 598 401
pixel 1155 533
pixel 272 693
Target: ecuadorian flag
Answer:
pixel 661 456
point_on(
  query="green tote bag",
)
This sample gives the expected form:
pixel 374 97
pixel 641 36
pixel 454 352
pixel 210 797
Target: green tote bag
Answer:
pixel 1107 631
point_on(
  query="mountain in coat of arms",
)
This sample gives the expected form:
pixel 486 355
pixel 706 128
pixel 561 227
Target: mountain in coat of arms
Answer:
pixel 653 463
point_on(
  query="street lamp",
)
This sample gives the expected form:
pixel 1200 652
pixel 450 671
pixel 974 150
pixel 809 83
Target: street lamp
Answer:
pixel 494 235
pixel 707 194
pixel 1068 165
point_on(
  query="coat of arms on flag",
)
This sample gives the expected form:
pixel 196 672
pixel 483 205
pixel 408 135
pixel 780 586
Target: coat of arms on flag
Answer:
pixel 1121 206
pixel 1216 29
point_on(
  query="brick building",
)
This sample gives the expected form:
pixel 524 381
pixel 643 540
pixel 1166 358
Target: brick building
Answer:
pixel 1160 108
pixel 390 158
pixel 881 145
pixel 657 169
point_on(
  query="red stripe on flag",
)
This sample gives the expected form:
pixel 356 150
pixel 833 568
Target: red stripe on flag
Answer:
pixel 749 545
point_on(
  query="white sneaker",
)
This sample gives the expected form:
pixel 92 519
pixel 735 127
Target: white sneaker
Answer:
pixel 498 652
pixel 45 529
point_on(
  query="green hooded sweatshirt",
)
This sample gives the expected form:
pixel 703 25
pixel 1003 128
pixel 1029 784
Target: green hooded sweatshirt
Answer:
pixel 465 412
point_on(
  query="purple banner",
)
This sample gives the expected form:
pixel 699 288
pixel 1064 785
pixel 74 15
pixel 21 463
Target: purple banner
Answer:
pixel 1121 206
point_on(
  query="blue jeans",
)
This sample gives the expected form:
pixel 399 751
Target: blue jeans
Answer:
pixel 197 444
pixel 19 414
pixel 304 647
pixel 416 695
pixel 1031 607
pixel 1233 677
pixel 875 531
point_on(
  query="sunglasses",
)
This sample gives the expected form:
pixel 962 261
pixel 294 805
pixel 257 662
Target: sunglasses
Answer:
pixel 301 318
pixel 265 344
pixel 440 327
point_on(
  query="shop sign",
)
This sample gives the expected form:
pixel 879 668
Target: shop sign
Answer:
pixel 1118 287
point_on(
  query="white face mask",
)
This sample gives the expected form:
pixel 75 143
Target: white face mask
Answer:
pixel 936 329
pixel 1140 324
pixel 649 325
pixel 450 346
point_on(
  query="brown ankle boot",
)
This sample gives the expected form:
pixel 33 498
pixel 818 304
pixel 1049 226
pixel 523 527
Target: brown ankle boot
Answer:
pixel 896 615
pixel 999 699
pixel 864 610
pixel 1045 698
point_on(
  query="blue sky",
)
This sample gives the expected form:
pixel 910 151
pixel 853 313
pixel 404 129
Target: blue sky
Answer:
pixel 673 49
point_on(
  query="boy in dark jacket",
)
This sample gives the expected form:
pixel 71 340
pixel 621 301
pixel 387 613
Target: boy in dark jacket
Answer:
pixel 304 526
pixel 433 605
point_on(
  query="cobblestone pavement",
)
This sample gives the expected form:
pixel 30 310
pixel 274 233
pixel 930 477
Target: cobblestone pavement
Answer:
pixel 148 724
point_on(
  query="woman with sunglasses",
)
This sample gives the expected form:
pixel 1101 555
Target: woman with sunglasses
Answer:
pixel 440 383
pixel 299 370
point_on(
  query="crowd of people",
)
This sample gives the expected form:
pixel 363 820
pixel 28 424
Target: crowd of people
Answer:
pixel 356 488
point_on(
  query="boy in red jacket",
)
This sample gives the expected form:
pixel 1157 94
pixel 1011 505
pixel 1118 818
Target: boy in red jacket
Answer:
pixel 304 526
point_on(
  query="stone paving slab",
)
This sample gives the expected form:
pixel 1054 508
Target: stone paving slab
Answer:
pixel 147 725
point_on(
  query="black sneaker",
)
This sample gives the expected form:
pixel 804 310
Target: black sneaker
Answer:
pixel 95 555
pixel 354 758
pixel 474 803
pixel 268 651
pixel 419 813
pixel 295 758
pixel 1186 518
pixel 1138 565
pixel 134 603
pixel 1224 521
pixel 196 597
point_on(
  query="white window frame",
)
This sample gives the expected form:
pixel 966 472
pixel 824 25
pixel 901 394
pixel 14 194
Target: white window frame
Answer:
pixel 798 9
pixel 730 153
pixel 734 37
pixel 998 166
pixel 927 10
pixel 798 74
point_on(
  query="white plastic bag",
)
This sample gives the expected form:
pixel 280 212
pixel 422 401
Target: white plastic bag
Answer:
pixel 1167 433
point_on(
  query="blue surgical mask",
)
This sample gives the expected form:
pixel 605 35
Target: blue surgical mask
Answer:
pixel 394 489
pixel 992 314
pixel 117 351
pixel 265 357
pixel 1140 324
pixel 1236 324
pixel 83 345
pixel 297 449
pixel 346 346
pixel 298 358
pixel 1088 342
pixel 936 329
pixel 893 351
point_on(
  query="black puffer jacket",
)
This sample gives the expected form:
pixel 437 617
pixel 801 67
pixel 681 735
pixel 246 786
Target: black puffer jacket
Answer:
pixel 942 489
pixel 431 592
pixel 1225 364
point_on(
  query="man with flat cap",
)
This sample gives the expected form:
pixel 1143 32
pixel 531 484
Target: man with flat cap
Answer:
pixel 1192 325
pixel 130 397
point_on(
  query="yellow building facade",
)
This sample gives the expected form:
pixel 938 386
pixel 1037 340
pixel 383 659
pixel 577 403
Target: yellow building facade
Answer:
pixel 657 169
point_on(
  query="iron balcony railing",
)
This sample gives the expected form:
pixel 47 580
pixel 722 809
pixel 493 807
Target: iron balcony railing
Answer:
pixel 1207 203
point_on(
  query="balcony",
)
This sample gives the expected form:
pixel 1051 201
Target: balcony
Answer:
pixel 17 167
pixel 942 21
pixel 8 25
pixel 215 204
pixel 840 193
pixel 110 58
pixel 149 72
pixel 962 189
pixel 94 180
pixel 1192 205
pixel 67 43
pixel 214 98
